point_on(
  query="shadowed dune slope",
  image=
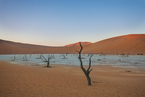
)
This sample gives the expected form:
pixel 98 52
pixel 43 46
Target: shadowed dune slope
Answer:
pixel 132 44
pixel 8 47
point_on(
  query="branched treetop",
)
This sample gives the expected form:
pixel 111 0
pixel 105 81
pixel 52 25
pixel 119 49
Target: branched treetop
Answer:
pixel 49 57
pixel 88 70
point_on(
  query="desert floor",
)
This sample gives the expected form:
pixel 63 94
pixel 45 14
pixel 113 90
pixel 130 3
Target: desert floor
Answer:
pixel 69 81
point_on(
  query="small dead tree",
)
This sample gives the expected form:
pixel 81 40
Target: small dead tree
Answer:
pixel 49 57
pixel 40 56
pixel 25 58
pixel 128 55
pixel 64 57
pixel 86 72
pixel 14 58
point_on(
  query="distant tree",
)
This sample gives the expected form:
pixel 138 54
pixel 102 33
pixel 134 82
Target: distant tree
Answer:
pixel 128 55
pixel 86 72
pixel 122 54
pixel 67 54
pixel 30 55
pixel 64 56
pixel 14 58
pixel 39 56
pixel 25 58
pixel 47 60
pixel 140 53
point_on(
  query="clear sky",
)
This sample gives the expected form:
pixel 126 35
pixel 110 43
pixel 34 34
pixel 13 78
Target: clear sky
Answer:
pixel 61 22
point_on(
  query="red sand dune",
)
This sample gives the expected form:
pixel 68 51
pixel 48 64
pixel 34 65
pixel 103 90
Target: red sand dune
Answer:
pixel 77 44
pixel 132 44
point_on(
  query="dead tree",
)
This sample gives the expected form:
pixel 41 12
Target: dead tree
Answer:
pixel 40 56
pixel 14 58
pixel 49 57
pixel 64 56
pixel 86 72
pixel 25 58
pixel 128 55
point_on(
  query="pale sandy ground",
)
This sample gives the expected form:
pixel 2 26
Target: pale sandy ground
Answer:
pixel 69 81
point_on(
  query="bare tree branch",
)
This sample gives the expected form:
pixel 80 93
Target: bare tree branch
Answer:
pixel 77 51
pixel 89 62
pixel 90 70
pixel 44 58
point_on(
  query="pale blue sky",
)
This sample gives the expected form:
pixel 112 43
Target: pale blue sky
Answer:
pixel 61 22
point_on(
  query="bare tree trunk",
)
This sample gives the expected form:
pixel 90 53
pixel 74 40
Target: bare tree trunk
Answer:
pixel 86 72
pixel 47 61
pixel 87 76
pixel 48 64
pixel 89 80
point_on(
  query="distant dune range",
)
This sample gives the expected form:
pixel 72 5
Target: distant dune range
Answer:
pixel 132 44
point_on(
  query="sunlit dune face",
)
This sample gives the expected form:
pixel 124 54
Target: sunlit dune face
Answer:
pixel 134 36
